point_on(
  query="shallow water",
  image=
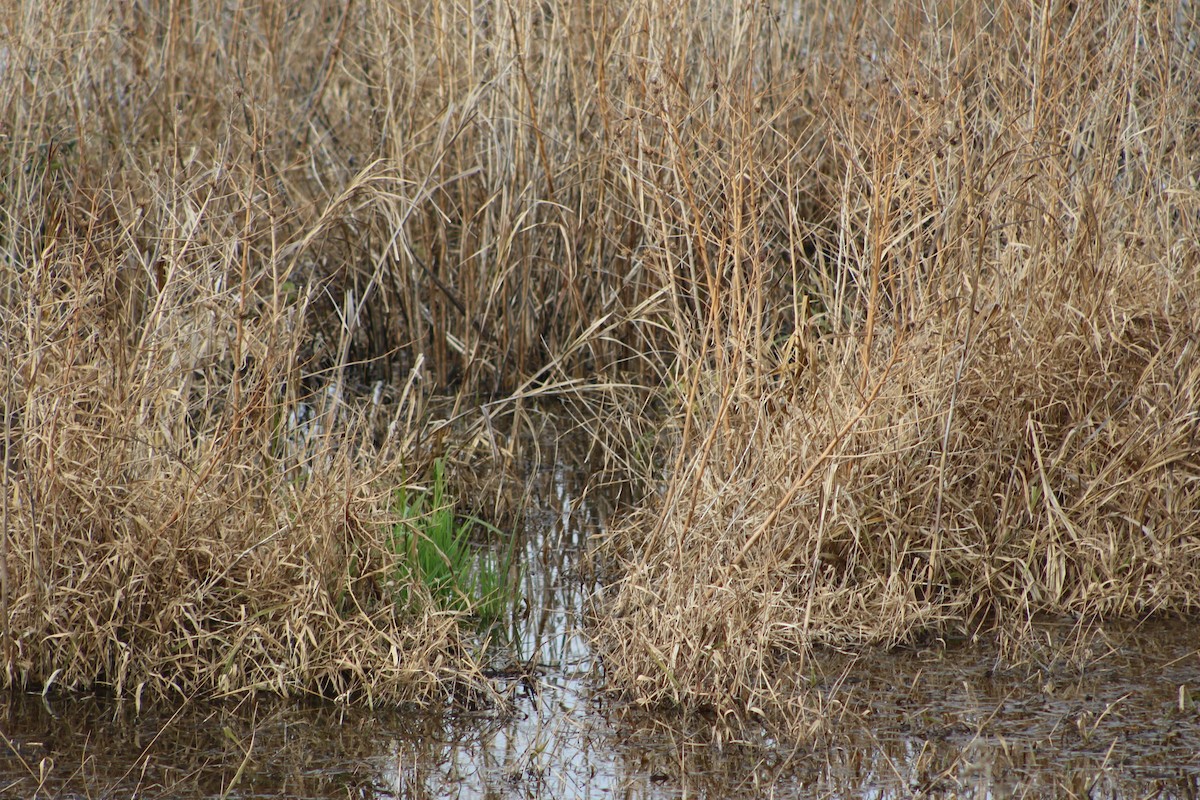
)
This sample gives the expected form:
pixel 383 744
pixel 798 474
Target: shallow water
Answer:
pixel 1115 717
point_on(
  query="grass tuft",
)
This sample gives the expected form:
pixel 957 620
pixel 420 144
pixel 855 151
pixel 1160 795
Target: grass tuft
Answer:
pixel 934 302
pixel 438 562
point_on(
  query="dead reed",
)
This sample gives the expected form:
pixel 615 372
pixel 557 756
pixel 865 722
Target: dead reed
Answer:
pixel 937 319
pixel 913 287
pixel 243 244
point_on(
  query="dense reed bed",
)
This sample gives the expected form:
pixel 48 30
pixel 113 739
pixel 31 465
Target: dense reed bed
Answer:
pixel 890 307
pixel 244 245
pixel 939 370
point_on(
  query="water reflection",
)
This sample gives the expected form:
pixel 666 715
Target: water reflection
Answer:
pixel 938 723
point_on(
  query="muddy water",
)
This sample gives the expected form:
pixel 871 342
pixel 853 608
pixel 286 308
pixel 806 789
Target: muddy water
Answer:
pixel 1115 716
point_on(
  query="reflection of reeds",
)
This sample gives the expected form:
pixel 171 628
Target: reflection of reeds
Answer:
pixel 938 723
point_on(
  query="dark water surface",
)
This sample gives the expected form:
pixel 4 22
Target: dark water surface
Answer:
pixel 1113 716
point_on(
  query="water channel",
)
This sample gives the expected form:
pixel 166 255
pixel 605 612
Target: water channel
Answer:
pixel 1119 718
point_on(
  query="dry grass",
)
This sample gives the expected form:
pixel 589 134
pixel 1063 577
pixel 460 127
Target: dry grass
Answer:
pixel 172 526
pixel 243 245
pixel 913 284
pixel 969 395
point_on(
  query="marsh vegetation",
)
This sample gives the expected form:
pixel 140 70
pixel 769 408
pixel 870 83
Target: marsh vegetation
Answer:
pixel 1100 711
pixel 886 314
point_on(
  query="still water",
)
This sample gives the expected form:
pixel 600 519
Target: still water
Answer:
pixel 1116 717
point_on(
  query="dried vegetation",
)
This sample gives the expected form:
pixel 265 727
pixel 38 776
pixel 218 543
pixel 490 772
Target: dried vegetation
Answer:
pixel 941 372
pixel 914 286
pixel 244 246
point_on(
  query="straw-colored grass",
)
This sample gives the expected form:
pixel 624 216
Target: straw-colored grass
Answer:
pixel 938 356
pixel 890 306
pixel 243 245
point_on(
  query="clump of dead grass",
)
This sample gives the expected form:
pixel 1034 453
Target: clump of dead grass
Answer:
pixel 172 529
pixel 938 332
pixel 243 245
